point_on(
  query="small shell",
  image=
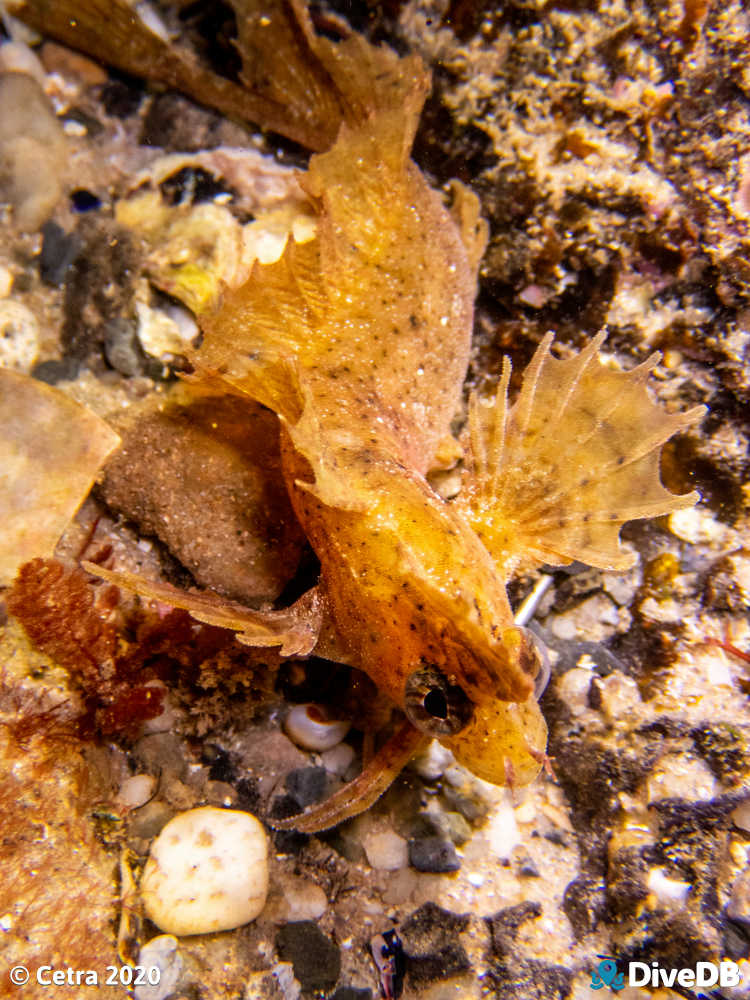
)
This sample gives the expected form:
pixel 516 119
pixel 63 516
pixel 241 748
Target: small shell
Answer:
pixel 308 727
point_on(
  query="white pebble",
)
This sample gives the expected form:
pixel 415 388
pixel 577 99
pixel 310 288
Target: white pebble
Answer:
pixel 304 900
pixel 677 776
pixel 573 687
pixel 338 759
pixel 160 953
pixel 308 727
pixel 207 871
pixel 136 791
pixel 19 337
pixel 502 830
pixel 666 889
pixel 386 850
pixel 433 761
pixel 619 695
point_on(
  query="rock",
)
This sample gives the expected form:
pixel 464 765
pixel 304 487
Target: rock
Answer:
pixel 315 958
pixel 432 946
pixel 136 790
pixel 678 776
pixel 121 347
pixel 351 993
pixel 249 545
pixel 207 871
pixel 432 762
pixel 338 759
pixel 304 900
pixel 739 899
pixel 19 336
pixel 307 785
pixel 59 250
pixel 33 151
pixel 160 953
pixel 665 889
pixel 386 850
pixel 503 925
pixel 502 830
pixel 433 854
pixel 150 820
pixel 309 727
pixel 584 903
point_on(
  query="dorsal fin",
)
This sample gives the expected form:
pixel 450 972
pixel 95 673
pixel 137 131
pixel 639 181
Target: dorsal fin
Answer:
pixel 554 478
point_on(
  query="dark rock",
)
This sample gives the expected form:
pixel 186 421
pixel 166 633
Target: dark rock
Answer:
pixel 472 807
pixel 307 785
pixel 736 941
pixel 626 883
pixel 431 945
pixel 504 924
pixel 315 957
pixel 121 347
pixel 174 123
pixel 99 284
pixel 433 854
pixel 59 250
pixel 53 372
pixel 584 903
pixel 121 97
pixel 218 762
pixel 248 795
pixel 351 993
pixel 150 819
pixel 528 869
pixel 529 979
pixel 721 746
pixel 286 841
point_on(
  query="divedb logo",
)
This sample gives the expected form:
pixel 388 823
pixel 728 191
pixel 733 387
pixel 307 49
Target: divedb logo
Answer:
pixel 703 975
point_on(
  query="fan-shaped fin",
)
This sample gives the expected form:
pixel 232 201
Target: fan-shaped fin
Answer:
pixel 294 629
pixel 555 478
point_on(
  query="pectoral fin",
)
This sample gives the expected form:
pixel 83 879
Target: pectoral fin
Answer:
pixel 554 478
pixel 294 629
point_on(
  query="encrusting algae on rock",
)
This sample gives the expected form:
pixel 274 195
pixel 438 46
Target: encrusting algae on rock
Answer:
pixel 358 340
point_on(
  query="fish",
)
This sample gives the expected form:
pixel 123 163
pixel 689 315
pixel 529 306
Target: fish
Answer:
pixel 359 341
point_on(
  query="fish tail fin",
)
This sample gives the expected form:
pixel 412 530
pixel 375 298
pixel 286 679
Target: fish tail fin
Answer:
pixel 553 479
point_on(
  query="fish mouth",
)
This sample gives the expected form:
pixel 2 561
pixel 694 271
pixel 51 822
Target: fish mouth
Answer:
pixel 504 742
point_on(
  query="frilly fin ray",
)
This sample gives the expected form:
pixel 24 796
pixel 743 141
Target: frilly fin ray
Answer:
pixel 554 478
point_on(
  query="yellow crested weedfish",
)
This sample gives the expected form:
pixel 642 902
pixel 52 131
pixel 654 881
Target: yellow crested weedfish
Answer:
pixel 359 341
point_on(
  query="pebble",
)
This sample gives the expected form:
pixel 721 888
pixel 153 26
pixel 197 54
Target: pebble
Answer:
pixel 432 762
pixel 433 854
pixel 207 871
pixel 739 899
pixel 309 727
pixel 338 759
pixel 19 336
pixel 33 151
pixel 681 777
pixel 386 850
pixel 573 688
pixel 667 890
pixel 502 830
pixel 136 790
pixel 59 251
pixel 160 953
pixel 121 346
pixel 741 816
pixel 315 958
pixel 618 694
pixel 307 785
pixel 304 900
pixel 6 281
pixel 150 819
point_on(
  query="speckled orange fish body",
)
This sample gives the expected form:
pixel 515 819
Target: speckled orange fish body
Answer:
pixel 359 340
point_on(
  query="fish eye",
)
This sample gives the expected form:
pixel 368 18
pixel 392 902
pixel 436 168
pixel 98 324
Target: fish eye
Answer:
pixel 435 706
